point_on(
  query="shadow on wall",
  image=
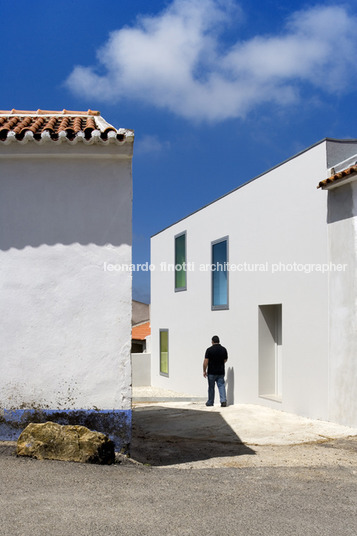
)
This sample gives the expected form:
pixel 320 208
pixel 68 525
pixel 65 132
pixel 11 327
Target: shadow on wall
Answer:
pixel 230 386
pixel 64 204
pixel 165 436
pixel 340 204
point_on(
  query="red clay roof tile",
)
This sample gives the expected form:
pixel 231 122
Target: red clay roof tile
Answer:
pixel 338 176
pixel 140 332
pixel 58 126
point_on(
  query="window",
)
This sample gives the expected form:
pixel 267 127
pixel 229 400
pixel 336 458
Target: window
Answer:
pixel 220 274
pixel 270 351
pixel 164 352
pixel 180 262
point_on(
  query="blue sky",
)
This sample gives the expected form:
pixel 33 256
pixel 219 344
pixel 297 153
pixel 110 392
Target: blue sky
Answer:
pixel 217 91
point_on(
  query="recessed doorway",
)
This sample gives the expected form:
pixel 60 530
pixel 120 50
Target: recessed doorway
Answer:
pixel 270 351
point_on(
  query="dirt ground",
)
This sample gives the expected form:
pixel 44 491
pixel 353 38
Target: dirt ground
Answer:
pixel 164 450
pixel 181 453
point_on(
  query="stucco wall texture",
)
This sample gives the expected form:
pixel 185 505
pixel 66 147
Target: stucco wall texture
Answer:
pixel 342 225
pixel 274 221
pixel 66 321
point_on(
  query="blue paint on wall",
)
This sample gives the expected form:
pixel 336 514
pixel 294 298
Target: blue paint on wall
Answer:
pixel 116 424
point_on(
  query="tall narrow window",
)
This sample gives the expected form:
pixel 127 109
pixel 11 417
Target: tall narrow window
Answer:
pixel 164 352
pixel 270 351
pixel 180 262
pixel 220 274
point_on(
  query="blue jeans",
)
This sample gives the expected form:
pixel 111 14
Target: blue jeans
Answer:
pixel 212 380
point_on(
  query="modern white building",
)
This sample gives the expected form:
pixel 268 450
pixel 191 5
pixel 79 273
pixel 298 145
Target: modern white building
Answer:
pixel 65 221
pixel 270 268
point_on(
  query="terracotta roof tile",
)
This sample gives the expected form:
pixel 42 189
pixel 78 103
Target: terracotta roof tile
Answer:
pixel 57 126
pixel 338 176
pixel 140 332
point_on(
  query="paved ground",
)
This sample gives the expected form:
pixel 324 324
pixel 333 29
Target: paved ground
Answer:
pixel 63 499
pixel 255 477
pixel 175 430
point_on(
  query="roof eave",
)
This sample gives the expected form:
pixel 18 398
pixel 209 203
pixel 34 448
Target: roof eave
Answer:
pixel 338 182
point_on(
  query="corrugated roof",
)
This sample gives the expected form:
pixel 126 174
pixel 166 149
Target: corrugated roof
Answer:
pixel 41 126
pixel 336 177
pixel 140 332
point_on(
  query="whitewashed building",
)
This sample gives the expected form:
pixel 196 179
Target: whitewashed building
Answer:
pixel 271 269
pixel 65 219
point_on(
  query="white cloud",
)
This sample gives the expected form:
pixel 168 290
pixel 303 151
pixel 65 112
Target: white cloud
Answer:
pixel 150 144
pixel 178 60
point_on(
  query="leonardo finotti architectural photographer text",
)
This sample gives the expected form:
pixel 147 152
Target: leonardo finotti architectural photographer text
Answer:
pixel 274 268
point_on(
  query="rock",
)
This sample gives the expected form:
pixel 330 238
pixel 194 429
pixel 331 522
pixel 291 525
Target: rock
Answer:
pixel 67 443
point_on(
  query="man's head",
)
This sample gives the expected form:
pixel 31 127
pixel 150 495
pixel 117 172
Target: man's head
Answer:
pixel 215 339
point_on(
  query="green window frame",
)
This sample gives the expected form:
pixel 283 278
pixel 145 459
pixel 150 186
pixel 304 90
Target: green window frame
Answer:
pixel 180 262
pixel 164 352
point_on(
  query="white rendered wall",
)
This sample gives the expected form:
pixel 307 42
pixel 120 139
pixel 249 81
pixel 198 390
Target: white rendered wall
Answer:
pixel 141 369
pixel 66 322
pixel 278 218
pixel 343 304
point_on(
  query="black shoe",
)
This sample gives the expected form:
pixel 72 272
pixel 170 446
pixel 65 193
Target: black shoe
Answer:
pixel 209 404
pixel 223 404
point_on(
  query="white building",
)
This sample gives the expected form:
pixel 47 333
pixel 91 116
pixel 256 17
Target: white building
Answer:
pixel 271 269
pixel 65 220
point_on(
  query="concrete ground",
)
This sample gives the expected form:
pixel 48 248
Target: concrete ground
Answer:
pixel 173 429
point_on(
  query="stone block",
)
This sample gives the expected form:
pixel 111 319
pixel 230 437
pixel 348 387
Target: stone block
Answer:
pixel 53 441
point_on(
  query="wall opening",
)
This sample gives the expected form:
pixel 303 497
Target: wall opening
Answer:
pixel 270 351
pixel 164 352
pixel 219 274
pixel 180 262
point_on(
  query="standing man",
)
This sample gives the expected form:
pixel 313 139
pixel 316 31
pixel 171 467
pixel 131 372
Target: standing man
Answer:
pixel 213 368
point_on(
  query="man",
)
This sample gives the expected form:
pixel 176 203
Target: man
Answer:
pixel 213 368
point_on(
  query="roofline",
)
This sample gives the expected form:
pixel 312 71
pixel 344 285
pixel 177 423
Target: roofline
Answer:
pixel 59 113
pixel 341 177
pixel 142 323
pixel 339 182
pixel 23 126
pixel 255 178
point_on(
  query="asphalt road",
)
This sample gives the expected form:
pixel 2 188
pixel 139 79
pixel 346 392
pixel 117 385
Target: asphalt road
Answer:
pixel 50 498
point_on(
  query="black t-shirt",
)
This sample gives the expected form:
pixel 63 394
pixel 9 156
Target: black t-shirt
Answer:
pixel 216 355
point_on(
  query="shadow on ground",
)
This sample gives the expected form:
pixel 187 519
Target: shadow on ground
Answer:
pixel 166 436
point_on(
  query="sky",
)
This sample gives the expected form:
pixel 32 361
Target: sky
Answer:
pixel 217 91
